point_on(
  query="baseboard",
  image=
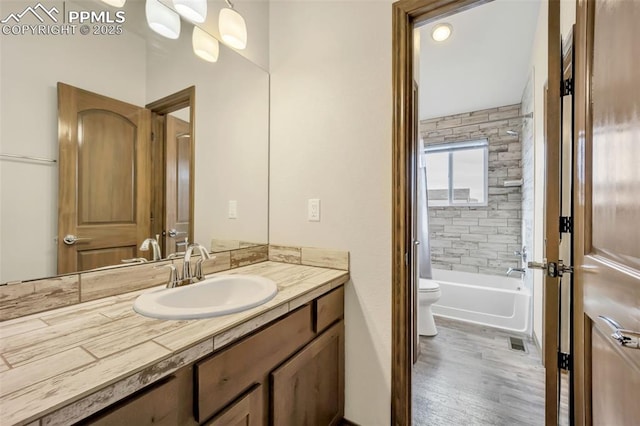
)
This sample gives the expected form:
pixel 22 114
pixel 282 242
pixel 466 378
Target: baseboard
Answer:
pixel 346 422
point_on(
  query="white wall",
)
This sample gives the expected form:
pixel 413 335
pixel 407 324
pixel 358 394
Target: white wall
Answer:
pixel 483 64
pixel 539 64
pixel 331 111
pixel 232 130
pixel 567 16
pixel 30 68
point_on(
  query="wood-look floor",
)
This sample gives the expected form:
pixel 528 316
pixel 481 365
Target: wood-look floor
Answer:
pixel 468 375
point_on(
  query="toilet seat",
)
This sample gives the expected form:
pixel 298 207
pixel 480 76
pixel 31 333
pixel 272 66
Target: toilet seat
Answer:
pixel 427 286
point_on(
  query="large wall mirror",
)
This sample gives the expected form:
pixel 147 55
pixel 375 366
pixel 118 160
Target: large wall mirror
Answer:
pixel 217 141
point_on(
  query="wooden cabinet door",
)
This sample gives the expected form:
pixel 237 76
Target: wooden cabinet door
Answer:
pixel 246 411
pixel 219 379
pixel 309 388
pixel 157 406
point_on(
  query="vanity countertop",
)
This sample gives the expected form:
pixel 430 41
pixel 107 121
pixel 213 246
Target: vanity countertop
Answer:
pixel 61 364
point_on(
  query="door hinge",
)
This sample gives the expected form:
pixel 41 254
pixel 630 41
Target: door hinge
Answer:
pixel 566 224
pixel 153 137
pixel 565 361
pixel 566 87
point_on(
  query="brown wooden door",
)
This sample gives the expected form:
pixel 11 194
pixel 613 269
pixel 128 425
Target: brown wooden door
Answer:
pixel 308 389
pixel 177 183
pixel 607 200
pixel 104 179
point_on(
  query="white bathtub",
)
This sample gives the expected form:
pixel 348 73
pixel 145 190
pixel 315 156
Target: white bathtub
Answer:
pixel 500 302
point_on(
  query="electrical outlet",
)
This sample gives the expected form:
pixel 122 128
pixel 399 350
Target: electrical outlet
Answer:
pixel 233 209
pixel 313 213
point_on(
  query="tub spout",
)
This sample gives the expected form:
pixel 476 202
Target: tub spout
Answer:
pixel 520 270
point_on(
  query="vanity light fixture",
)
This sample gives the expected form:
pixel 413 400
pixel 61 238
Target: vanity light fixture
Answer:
pixel 193 10
pixel 441 32
pixel 232 27
pixel 115 3
pixel 204 45
pixel 162 19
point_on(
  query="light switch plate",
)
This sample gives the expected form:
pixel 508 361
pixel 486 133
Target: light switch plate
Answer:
pixel 313 213
pixel 233 209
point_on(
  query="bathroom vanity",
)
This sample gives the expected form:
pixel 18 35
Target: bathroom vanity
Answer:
pixel 101 363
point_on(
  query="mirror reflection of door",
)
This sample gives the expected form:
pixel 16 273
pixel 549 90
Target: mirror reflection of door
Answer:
pixel 178 149
pixel 173 157
pixel 104 179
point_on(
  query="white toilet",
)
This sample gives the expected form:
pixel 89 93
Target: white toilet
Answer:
pixel 428 294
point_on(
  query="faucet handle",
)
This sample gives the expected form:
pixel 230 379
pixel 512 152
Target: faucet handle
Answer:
pixel 173 276
pixel 198 271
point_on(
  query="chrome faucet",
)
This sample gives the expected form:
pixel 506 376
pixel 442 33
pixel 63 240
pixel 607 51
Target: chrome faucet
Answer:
pixel 173 277
pixel 520 270
pixel 186 266
pixel 157 254
pixel 187 277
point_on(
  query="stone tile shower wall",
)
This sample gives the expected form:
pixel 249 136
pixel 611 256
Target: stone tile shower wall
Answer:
pixel 480 239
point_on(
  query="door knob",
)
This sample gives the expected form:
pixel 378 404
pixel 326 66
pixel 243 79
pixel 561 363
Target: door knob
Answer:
pixel 70 239
pixel 553 269
pixel 537 265
pixel 627 338
pixel 174 233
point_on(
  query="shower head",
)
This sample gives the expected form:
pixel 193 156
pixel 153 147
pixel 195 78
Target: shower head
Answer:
pixel 512 133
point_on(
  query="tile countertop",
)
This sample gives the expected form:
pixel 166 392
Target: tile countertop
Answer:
pixel 64 364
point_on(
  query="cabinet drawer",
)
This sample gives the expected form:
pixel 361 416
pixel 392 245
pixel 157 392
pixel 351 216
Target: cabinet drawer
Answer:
pixel 156 406
pixel 246 411
pixel 329 309
pixel 223 376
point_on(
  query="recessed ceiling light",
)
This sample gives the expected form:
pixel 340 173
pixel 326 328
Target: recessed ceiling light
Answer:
pixel 441 32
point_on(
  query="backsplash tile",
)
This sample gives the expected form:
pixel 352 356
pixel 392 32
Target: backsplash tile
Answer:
pixel 99 284
pixel 286 254
pixel 248 256
pixel 25 298
pixel 335 259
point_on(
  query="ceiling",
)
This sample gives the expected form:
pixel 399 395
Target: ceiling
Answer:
pixel 484 64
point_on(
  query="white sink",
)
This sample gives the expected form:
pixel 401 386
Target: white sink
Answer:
pixel 219 295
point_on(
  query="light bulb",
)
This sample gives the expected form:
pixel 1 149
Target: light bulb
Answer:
pixel 204 45
pixel 233 29
pixel 162 20
pixel 193 10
